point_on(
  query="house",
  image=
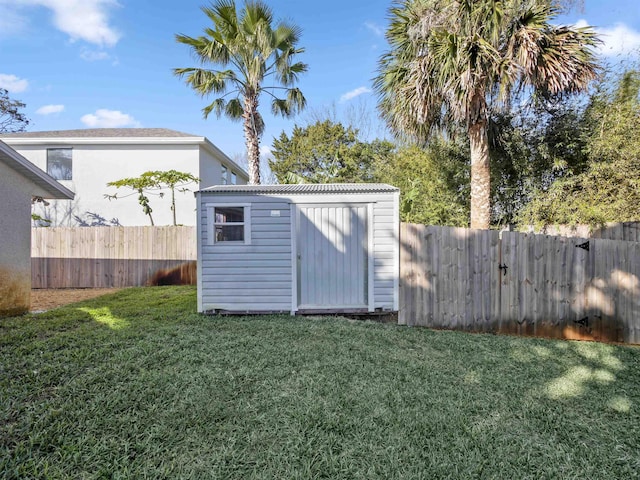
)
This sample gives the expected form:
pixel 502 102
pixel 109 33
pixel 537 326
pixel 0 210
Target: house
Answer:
pixel 20 182
pixel 298 248
pixel 86 160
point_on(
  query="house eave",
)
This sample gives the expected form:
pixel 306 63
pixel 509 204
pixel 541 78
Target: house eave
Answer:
pixel 51 187
pixel 194 141
pixel 216 152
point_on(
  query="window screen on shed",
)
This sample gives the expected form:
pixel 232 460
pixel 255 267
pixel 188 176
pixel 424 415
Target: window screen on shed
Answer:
pixel 229 224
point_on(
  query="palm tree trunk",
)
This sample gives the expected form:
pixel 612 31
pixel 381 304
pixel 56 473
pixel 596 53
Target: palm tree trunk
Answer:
pixel 252 138
pixel 480 175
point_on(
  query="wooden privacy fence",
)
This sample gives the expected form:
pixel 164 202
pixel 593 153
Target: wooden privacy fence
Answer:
pixel 629 231
pixel 509 282
pixel 96 257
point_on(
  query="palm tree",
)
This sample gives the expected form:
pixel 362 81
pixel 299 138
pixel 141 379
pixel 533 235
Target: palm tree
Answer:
pixel 452 61
pixel 248 48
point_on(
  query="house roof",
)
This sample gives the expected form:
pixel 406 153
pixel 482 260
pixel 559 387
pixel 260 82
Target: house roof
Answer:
pixel 102 133
pixel 23 166
pixel 120 136
pixel 303 188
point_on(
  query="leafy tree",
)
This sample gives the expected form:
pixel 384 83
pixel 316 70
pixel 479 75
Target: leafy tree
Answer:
pixel 608 189
pixel 456 61
pixel 173 180
pixel 141 185
pixel 325 152
pixel 149 182
pixel 249 48
pixel 529 150
pixel 433 182
pixel 11 119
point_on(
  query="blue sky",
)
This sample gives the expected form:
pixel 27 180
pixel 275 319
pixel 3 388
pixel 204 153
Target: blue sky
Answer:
pixel 108 63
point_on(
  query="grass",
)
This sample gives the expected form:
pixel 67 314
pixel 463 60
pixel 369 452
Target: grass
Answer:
pixel 137 385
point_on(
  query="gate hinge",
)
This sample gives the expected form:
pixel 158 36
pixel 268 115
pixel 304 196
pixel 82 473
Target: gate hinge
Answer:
pixel 583 321
pixel 584 246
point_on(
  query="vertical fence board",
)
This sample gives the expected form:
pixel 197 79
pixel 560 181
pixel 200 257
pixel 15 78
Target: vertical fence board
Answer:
pixel 450 279
pixel 88 257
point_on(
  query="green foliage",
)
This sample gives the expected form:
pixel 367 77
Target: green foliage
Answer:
pixel 325 152
pixel 40 220
pixel 608 187
pixel 530 149
pixel 154 181
pixel 173 180
pixel 249 48
pixel 433 182
pixel 11 118
pixel 140 185
pixel 454 63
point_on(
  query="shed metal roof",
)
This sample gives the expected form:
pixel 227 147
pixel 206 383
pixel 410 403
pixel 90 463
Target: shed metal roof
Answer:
pixel 302 188
pixel 23 166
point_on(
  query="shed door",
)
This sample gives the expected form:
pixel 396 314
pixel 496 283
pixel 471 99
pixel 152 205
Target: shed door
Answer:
pixel 332 256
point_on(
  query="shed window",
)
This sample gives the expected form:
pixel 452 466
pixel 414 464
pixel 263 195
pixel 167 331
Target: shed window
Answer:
pixel 59 164
pixel 231 224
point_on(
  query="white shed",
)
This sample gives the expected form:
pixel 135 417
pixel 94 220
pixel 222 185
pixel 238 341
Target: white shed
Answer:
pixel 298 248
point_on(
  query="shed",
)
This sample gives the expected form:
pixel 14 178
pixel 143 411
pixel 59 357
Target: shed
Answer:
pixel 20 181
pixel 305 248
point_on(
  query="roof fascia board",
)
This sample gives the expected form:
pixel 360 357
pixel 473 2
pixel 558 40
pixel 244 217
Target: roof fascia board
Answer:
pixel 200 141
pixel 104 140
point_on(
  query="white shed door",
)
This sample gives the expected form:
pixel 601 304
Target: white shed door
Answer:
pixel 332 256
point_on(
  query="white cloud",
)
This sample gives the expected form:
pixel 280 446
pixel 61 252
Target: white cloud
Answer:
pixel 354 93
pixel 93 55
pixel 12 83
pixel 86 20
pixel 49 109
pixel 104 118
pixel 375 28
pixel 618 40
pixel 10 21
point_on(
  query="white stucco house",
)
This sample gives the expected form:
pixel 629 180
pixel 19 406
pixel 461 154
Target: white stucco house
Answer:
pixel 84 161
pixel 20 182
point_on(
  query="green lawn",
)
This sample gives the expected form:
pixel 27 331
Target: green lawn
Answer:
pixel 137 385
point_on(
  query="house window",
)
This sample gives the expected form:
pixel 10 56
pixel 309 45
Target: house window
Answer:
pixel 223 178
pixel 231 223
pixel 234 179
pixel 59 164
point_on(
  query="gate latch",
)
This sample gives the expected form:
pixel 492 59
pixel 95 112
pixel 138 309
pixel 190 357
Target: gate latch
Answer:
pixel 503 267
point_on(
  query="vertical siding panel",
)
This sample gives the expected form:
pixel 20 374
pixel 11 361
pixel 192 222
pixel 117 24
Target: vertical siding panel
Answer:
pixel 340 259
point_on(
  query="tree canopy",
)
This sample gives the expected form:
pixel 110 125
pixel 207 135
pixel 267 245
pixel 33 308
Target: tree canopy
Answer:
pixel 152 182
pixel 453 62
pixel 325 152
pixel 607 189
pixel 11 118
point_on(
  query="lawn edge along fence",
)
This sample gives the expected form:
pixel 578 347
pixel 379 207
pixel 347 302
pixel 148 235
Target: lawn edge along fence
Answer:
pixel 521 283
pixel 102 257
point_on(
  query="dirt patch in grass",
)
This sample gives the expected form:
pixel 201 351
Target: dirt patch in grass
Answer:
pixel 46 299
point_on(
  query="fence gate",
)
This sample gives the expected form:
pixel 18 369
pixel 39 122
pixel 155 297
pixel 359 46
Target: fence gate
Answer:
pixel 332 256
